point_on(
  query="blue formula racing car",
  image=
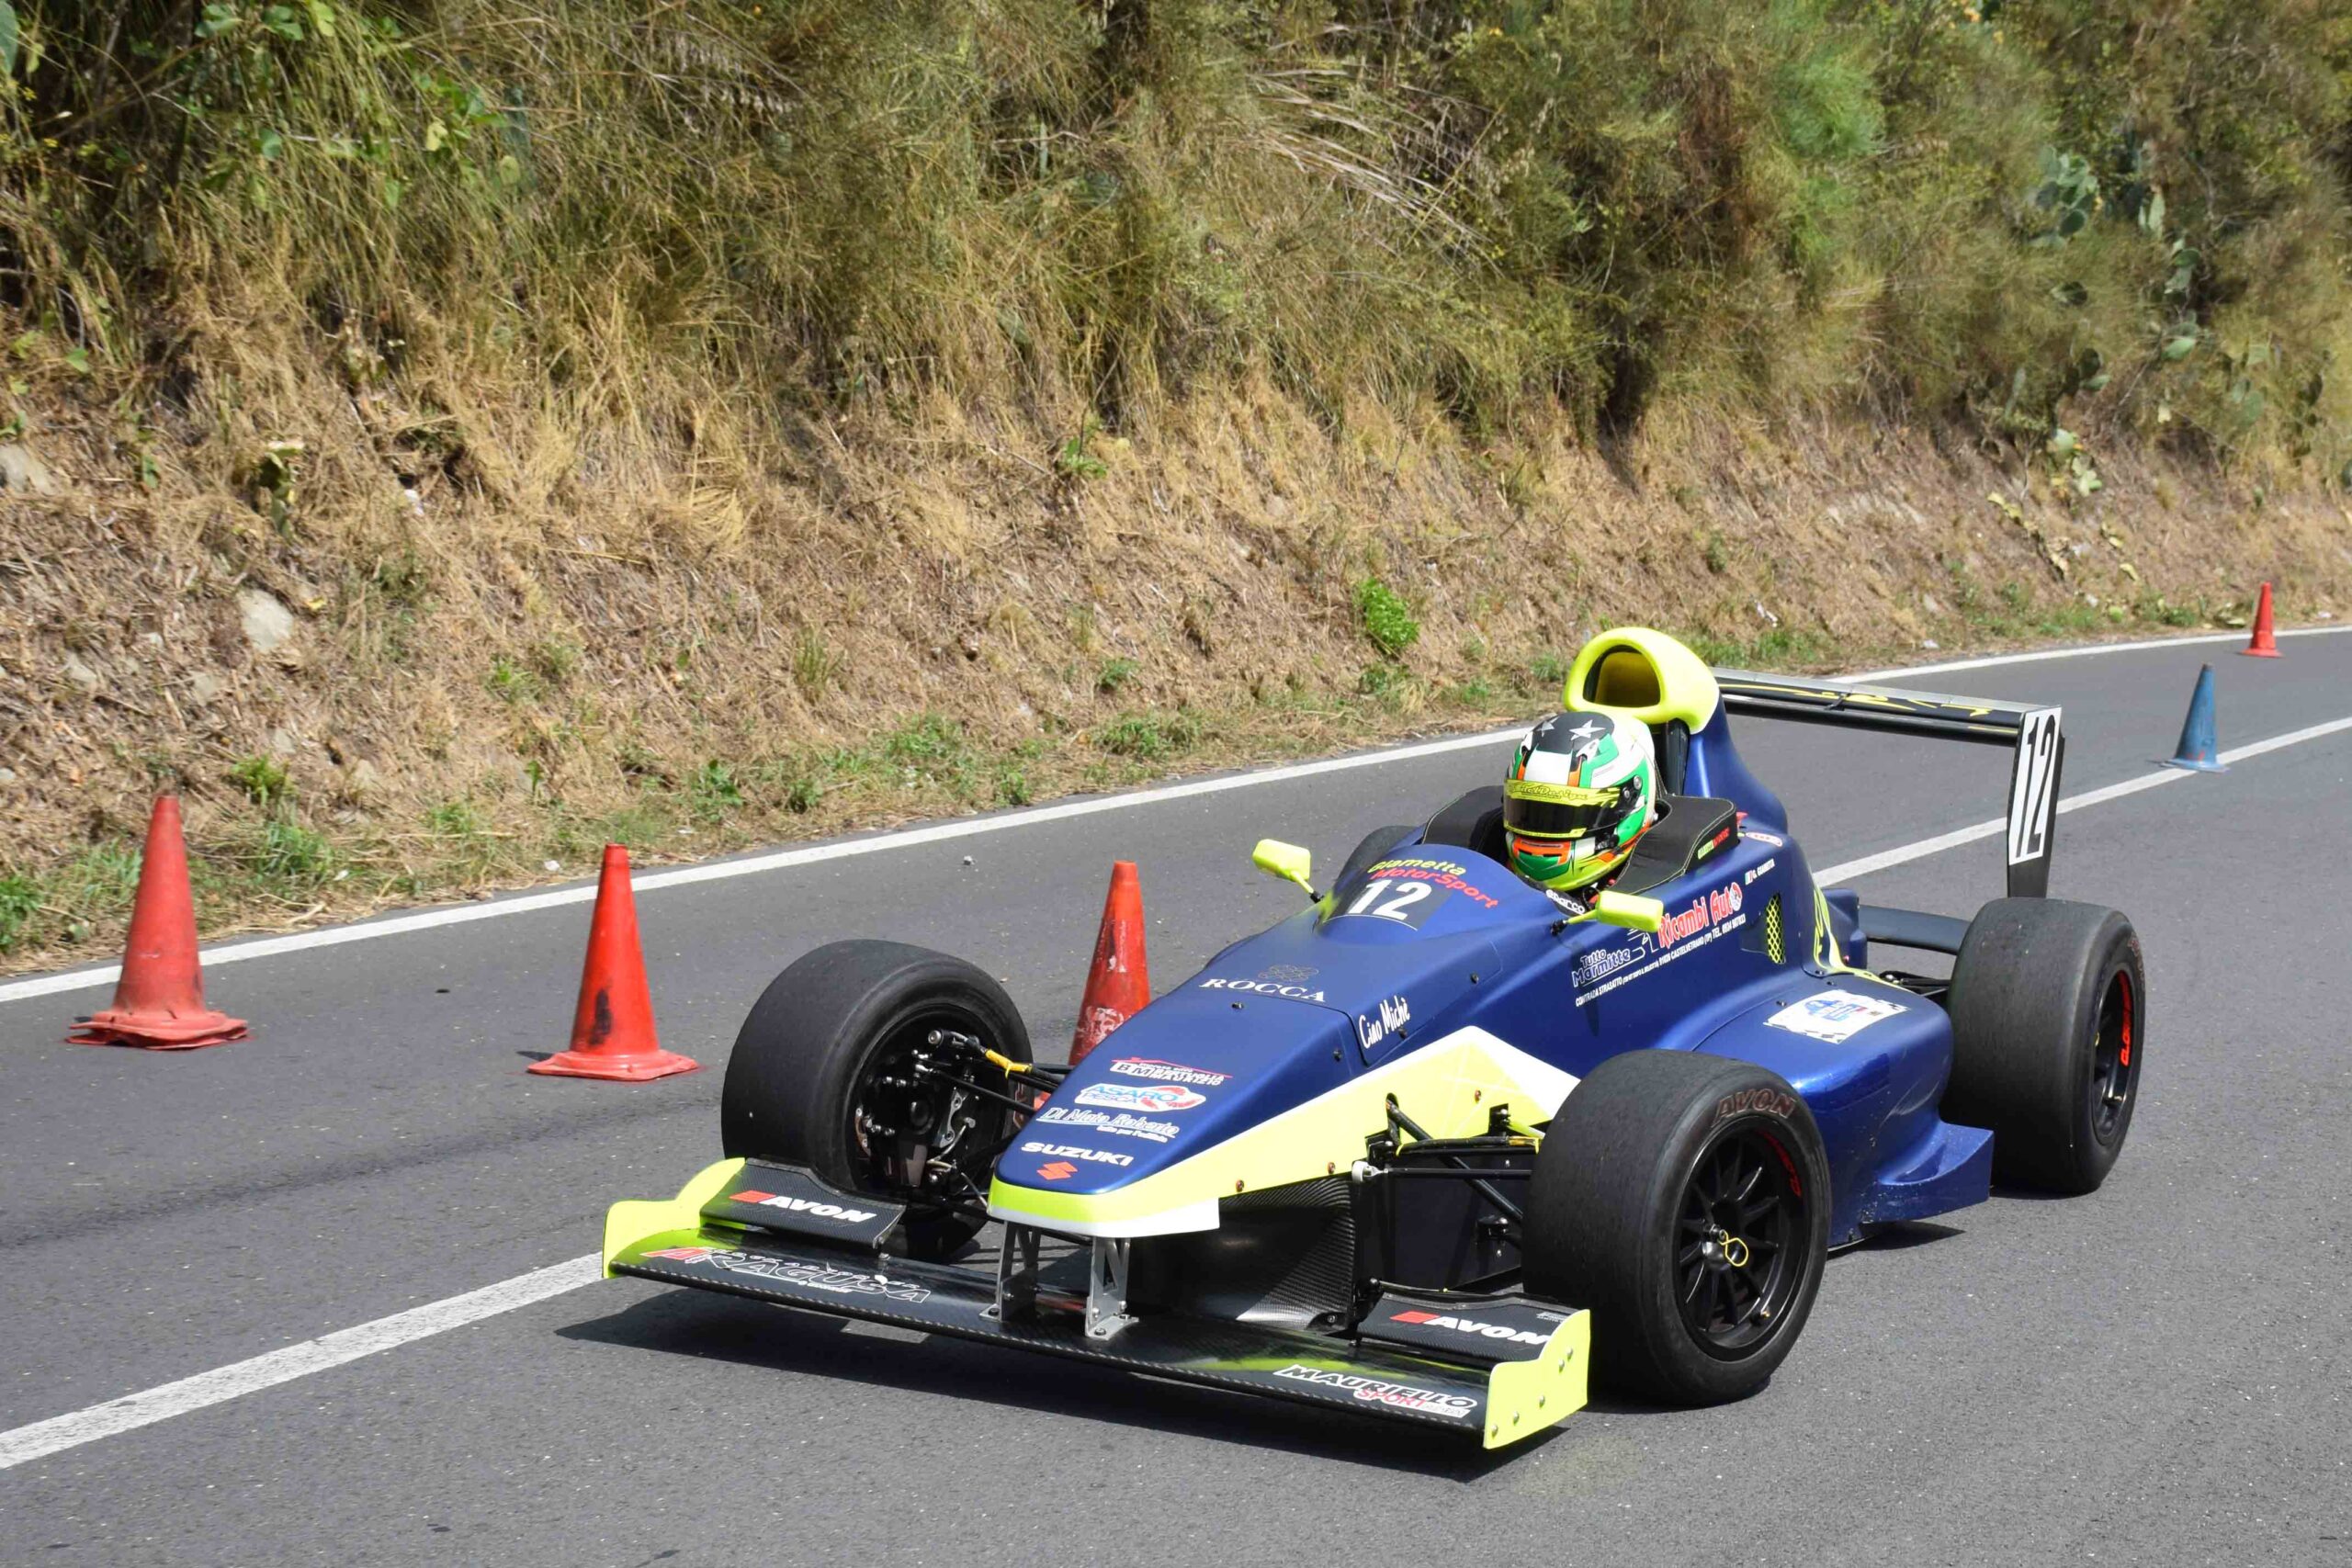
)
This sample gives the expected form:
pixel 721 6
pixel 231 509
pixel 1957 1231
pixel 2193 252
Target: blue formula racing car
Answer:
pixel 1444 1144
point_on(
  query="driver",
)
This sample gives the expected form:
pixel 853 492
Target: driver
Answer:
pixel 1581 789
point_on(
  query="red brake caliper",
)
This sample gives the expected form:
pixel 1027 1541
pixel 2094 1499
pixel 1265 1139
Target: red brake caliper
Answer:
pixel 2125 1057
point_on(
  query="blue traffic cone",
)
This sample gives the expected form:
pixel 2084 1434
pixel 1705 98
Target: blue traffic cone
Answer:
pixel 2197 747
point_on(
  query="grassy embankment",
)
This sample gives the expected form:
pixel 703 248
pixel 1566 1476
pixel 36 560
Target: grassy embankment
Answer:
pixel 446 434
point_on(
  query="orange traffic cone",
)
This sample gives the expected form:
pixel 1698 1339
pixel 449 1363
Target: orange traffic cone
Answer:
pixel 612 1032
pixel 2265 643
pixel 159 1001
pixel 1119 983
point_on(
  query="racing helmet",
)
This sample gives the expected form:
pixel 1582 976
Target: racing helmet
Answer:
pixel 1582 786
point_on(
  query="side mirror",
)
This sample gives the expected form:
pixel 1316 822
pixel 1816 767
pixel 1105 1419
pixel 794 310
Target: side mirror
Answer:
pixel 1627 910
pixel 1289 862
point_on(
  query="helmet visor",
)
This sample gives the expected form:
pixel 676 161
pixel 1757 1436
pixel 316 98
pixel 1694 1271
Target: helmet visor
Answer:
pixel 1561 811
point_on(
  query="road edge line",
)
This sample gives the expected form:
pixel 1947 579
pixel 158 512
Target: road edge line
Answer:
pixel 221 1384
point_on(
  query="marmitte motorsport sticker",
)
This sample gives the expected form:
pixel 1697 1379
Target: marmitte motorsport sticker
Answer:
pixel 1374 1391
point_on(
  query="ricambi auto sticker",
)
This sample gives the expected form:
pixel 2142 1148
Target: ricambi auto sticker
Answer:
pixel 792 1271
pixel 1680 931
pixel 1375 1390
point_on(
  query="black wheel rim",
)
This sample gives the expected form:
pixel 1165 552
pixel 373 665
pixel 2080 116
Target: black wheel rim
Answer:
pixel 927 1122
pixel 1740 1252
pixel 2115 1061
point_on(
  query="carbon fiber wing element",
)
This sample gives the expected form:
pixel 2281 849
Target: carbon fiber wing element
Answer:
pixel 1490 1369
pixel 2030 733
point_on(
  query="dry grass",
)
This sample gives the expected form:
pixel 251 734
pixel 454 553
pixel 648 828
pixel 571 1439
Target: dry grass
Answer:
pixel 499 680
pixel 697 417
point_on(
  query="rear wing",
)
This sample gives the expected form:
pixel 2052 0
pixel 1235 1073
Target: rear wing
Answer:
pixel 2029 733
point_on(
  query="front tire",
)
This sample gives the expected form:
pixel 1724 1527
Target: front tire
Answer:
pixel 822 1075
pixel 2049 1004
pixel 1685 1198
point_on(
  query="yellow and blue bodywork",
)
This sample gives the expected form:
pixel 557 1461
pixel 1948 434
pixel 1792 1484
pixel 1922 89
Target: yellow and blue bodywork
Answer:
pixel 1433 982
pixel 1484 998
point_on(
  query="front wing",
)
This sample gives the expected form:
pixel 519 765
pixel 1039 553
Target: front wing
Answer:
pixel 1497 1369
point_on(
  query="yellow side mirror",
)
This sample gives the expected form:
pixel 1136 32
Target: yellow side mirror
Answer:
pixel 1627 910
pixel 1289 862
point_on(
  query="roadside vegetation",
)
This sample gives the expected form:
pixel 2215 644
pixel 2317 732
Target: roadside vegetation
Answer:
pixel 2029 216
pixel 442 434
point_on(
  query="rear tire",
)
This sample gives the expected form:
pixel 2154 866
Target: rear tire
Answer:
pixel 1685 1198
pixel 811 1082
pixel 2049 1015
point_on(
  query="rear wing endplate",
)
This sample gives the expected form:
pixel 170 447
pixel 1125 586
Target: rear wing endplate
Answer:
pixel 2030 734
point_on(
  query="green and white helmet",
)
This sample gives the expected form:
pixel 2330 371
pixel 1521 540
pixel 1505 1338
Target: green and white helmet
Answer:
pixel 1582 788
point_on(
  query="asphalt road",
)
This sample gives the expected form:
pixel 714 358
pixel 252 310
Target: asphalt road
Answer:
pixel 2156 1374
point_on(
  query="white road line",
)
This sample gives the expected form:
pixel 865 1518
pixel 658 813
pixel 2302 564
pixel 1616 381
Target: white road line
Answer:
pixel 719 871
pixel 751 865
pixel 2085 650
pixel 44 1437
pixel 223 1383
pixel 1846 871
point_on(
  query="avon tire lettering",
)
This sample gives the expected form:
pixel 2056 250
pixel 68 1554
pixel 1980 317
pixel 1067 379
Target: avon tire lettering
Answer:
pixel 1760 1102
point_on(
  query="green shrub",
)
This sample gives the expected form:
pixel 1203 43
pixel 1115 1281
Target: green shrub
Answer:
pixel 288 851
pixel 729 210
pixel 20 900
pixel 925 742
pixel 512 682
pixel 815 665
pixel 553 659
pixel 263 780
pixel 714 790
pixel 1386 619
pixel 1148 738
pixel 453 819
